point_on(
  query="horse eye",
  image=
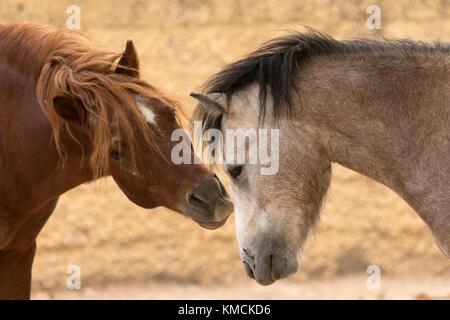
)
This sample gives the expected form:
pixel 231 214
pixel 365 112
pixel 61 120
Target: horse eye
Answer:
pixel 116 154
pixel 235 171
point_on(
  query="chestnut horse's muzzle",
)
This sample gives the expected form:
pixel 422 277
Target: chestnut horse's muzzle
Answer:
pixel 208 203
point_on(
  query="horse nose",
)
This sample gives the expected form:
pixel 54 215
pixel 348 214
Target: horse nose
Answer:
pixel 267 266
pixel 212 201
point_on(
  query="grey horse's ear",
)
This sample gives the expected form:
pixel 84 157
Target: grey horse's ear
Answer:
pixel 214 103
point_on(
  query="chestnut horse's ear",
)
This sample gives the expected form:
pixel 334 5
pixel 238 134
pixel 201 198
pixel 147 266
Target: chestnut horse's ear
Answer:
pixel 212 103
pixel 70 109
pixel 129 63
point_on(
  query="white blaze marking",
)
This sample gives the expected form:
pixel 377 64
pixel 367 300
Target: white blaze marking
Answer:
pixel 148 114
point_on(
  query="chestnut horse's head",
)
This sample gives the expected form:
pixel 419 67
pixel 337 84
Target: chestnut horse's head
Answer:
pixel 127 126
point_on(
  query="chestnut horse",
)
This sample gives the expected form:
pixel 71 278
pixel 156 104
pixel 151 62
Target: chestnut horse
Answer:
pixel 381 108
pixel 70 114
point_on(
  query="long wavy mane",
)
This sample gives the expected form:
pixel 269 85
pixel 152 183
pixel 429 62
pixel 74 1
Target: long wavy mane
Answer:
pixel 64 62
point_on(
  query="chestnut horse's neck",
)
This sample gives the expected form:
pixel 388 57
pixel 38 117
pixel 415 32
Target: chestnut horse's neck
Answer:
pixel 26 47
pixel 34 166
pixel 30 173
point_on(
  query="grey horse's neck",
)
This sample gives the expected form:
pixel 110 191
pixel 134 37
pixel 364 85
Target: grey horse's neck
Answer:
pixel 388 117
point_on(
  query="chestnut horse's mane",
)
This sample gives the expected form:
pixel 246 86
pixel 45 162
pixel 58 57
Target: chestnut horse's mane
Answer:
pixel 63 62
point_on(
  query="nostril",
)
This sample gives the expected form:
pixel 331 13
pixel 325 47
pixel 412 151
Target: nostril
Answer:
pixel 247 254
pixel 195 201
pixel 248 270
pixel 270 262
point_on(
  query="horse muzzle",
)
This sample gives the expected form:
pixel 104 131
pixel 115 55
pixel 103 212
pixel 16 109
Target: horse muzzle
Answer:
pixel 208 203
pixel 269 263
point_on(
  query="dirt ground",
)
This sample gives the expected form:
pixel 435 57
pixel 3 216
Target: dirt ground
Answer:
pixel 349 287
pixel 128 252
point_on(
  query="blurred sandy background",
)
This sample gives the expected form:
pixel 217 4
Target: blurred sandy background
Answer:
pixel 125 251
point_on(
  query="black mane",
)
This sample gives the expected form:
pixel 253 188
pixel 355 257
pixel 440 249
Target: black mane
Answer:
pixel 275 64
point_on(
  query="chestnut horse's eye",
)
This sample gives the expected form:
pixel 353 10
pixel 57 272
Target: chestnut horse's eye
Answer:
pixel 234 171
pixel 116 154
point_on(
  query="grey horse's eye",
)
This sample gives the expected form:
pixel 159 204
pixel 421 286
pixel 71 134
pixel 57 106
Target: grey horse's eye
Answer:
pixel 234 171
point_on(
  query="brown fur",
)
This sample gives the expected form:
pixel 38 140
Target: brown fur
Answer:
pixel 69 115
pixel 71 66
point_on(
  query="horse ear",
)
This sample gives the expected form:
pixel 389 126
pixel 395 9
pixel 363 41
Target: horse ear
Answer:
pixel 129 63
pixel 70 109
pixel 213 103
